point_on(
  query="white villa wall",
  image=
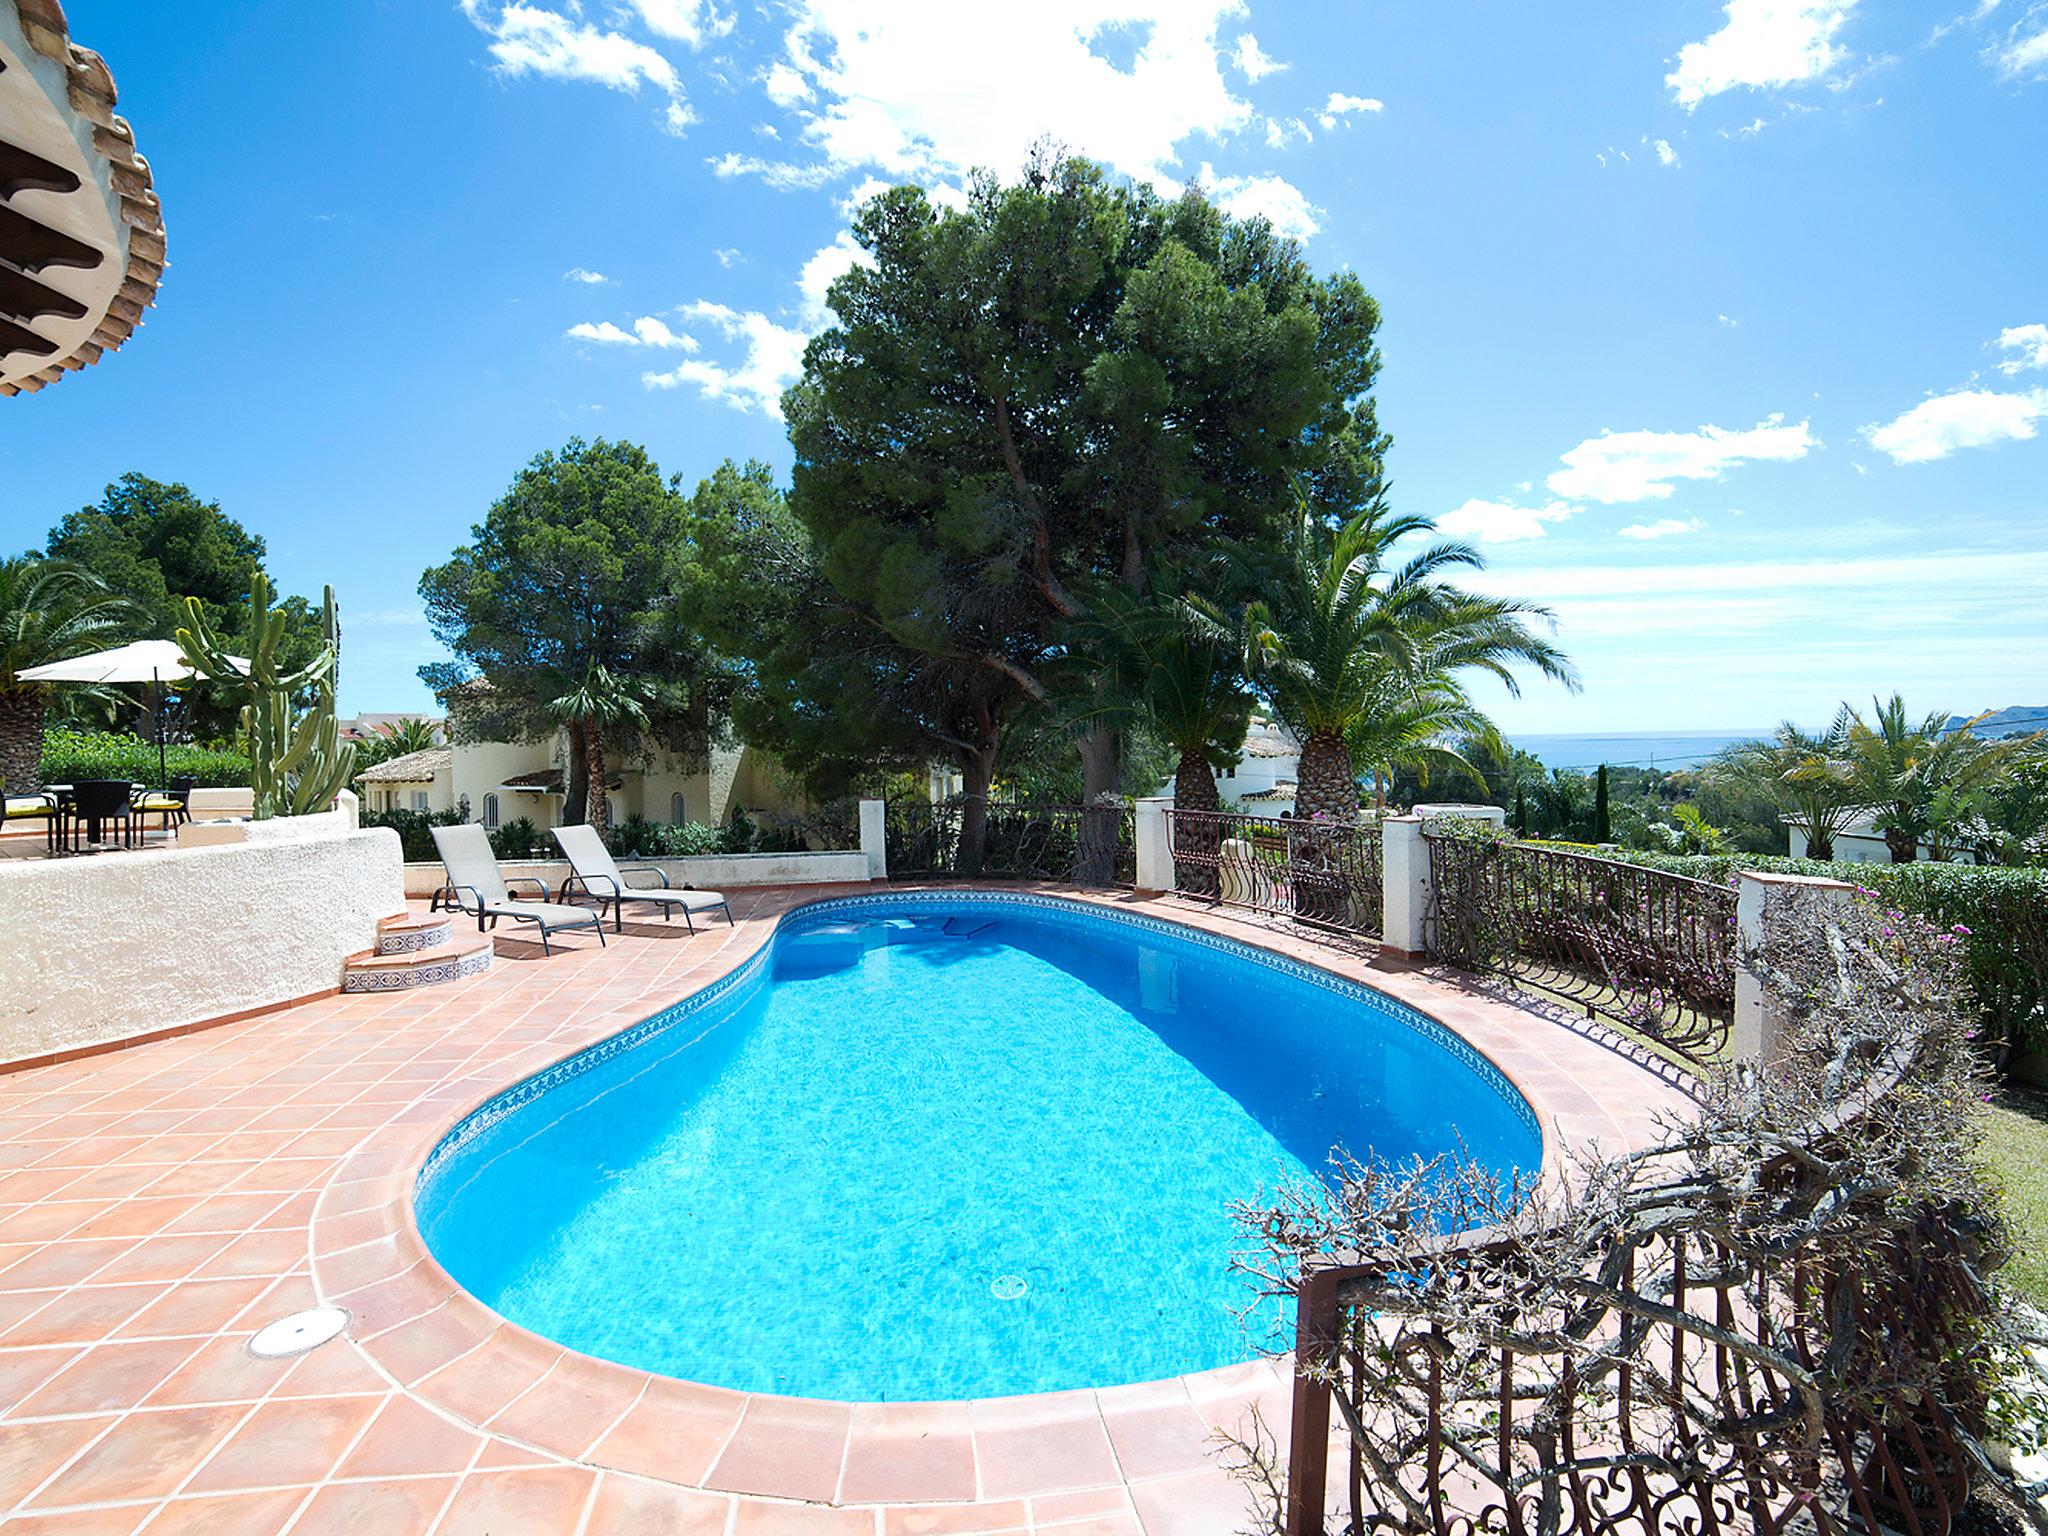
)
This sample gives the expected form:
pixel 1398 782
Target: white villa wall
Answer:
pixel 101 949
pixel 477 768
pixel 397 794
pixel 709 872
pixel 1862 845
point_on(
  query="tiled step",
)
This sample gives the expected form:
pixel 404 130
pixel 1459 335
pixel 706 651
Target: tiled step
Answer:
pixel 451 959
pixel 413 932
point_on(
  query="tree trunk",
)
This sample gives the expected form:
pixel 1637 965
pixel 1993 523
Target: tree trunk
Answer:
pixel 21 740
pixel 1327 786
pixel 977 772
pixel 1903 846
pixel 599 813
pixel 1821 847
pixel 1101 778
pixel 576 783
pixel 1197 841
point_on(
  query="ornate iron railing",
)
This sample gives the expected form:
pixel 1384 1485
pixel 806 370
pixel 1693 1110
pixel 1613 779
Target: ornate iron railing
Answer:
pixel 1068 844
pixel 1677 1428
pixel 833 827
pixel 1650 950
pixel 1317 871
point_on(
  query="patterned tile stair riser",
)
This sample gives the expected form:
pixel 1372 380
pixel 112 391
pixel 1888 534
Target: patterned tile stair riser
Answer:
pixel 411 940
pixel 455 968
pixel 489 1113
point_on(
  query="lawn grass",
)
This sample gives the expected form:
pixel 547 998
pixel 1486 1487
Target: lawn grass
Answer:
pixel 2016 1147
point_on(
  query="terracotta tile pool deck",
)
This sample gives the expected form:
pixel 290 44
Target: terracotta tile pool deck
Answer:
pixel 160 1203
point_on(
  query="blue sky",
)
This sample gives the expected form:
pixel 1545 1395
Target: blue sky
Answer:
pixel 1723 327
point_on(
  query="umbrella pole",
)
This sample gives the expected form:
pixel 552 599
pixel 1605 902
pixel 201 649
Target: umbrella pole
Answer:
pixel 163 780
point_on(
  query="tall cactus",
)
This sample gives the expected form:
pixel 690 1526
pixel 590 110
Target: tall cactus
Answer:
pixel 297 763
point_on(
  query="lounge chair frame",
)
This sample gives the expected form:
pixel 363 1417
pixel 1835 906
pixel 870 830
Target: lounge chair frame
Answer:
pixel 593 884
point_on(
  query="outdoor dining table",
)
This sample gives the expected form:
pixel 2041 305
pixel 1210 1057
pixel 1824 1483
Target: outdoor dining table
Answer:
pixel 67 811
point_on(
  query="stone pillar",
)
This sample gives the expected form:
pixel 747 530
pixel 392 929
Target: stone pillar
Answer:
pixel 1487 813
pixel 1404 886
pixel 874 838
pixel 1155 845
pixel 1760 1023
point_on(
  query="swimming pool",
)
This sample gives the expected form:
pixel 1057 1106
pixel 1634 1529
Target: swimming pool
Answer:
pixel 946 1145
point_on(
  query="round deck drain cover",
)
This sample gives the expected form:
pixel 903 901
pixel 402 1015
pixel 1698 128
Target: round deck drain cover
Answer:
pixel 1008 1287
pixel 298 1333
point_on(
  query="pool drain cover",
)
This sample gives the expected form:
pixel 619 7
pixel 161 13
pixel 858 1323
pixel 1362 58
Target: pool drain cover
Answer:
pixel 1008 1287
pixel 298 1333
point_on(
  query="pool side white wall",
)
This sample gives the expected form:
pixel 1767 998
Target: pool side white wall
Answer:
pixel 710 872
pixel 98 949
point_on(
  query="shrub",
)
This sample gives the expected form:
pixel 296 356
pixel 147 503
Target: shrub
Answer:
pixel 414 829
pixel 638 838
pixel 518 838
pixel 69 756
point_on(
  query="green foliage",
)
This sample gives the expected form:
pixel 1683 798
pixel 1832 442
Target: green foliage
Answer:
pixel 518 838
pixel 69 756
pixel 297 763
pixel 1911 773
pixel 579 564
pixel 415 830
pixel 1807 777
pixel 638 838
pixel 160 544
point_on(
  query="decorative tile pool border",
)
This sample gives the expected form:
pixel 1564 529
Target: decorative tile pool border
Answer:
pixel 494 1109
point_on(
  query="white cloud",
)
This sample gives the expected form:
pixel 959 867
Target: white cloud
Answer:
pixel 1252 60
pixel 684 21
pixel 772 360
pixel 1279 202
pixel 726 255
pixel 525 39
pixel 906 89
pixel 2028 342
pixel 1728 320
pixel 826 265
pixel 1666 155
pixel 1641 466
pixel 1964 418
pixel 584 275
pixel 1340 106
pixel 2024 55
pixel 786 87
pixel 1662 528
pixel 782 175
pixel 1762 43
pixel 1501 522
pixel 647 332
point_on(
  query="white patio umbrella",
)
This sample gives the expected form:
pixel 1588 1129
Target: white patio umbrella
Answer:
pixel 139 661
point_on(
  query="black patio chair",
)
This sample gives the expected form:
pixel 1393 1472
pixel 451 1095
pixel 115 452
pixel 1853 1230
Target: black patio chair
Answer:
pixel 39 806
pixel 96 802
pixel 173 805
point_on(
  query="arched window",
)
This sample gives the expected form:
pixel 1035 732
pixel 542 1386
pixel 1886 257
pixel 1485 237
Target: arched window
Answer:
pixel 676 813
pixel 490 810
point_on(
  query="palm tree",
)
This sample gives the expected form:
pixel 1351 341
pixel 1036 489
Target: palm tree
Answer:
pixel 601 702
pixel 1899 768
pixel 1413 724
pixel 1808 774
pixel 50 610
pixel 1347 636
pixel 404 737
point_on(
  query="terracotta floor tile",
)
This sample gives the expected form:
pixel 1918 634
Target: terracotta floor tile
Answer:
pixel 109 1377
pixel 1047 1457
pixel 1205 1504
pixel 633 1506
pixel 146 1454
pixel 240 1514
pixel 81 1522
pixel 83 1316
pixel 391 1508
pixel 755 1518
pixel 786 1448
pixel 194 1306
pixel 565 1416
pixel 497 1503
pixel 221 1370
pixel 1160 1442
pixel 666 1438
pixel 408 1439
pixel 24 1370
pixel 286 1441
pixel 30 1453
pixel 906 1453
pixel 65 1263
pixel 170 1257
pixel 956 1519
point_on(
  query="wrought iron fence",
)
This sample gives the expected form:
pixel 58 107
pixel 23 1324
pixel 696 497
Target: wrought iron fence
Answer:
pixel 833 827
pixel 1318 871
pixel 1070 844
pixel 1638 1442
pixel 1650 950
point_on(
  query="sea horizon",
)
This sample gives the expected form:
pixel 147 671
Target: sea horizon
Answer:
pixel 1630 749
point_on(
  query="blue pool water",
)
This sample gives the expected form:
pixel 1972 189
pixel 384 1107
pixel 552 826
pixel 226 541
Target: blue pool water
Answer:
pixel 942 1146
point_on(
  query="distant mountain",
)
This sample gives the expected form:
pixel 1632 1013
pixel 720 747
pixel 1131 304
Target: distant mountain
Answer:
pixel 2014 719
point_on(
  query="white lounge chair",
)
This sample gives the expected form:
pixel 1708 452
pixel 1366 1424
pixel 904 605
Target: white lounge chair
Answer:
pixel 477 885
pixel 600 875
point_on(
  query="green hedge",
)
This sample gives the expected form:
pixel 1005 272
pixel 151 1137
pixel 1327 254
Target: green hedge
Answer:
pixel 2005 909
pixel 69 756
pixel 516 839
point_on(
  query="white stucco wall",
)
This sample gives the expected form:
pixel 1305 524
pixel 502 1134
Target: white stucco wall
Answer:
pixel 99 949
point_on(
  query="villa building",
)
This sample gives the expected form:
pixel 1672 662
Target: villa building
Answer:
pixel 1263 779
pixel 499 781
